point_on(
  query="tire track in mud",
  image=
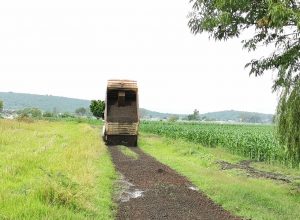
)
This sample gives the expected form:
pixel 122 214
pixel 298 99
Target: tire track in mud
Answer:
pixel 152 190
pixel 255 173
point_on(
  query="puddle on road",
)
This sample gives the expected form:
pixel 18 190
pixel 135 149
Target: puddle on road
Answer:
pixel 126 196
pixel 193 188
pixel 128 191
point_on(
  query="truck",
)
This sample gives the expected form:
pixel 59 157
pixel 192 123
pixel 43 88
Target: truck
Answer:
pixel 121 113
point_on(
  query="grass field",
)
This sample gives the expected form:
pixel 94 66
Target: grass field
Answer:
pixel 62 170
pixel 54 170
pixel 254 198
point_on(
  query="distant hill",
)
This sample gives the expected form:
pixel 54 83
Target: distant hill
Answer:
pixel 229 116
pixel 16 101
pixel 239 116
pixel 145 113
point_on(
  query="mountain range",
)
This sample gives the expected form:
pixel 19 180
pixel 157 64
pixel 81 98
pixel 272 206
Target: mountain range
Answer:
pixel 17 101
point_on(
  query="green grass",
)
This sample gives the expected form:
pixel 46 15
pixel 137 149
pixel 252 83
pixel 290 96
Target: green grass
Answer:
pixel 256 142
pixel 128 152
pixel 90 121
pixel 233 189
pixel 54 170
pixel 277 168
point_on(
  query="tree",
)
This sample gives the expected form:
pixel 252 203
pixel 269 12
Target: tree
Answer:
pixel 173 118
pixel 274 24
pixel 195 116
pixel 1 106
pixel 31 112
pixel 97 107
pixel 288 116
pixel 48 114
pixel 80 111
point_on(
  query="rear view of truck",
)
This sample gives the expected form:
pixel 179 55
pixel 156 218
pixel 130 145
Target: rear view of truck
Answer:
pixel 121 113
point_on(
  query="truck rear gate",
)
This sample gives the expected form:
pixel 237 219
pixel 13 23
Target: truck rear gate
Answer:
pixel 121 113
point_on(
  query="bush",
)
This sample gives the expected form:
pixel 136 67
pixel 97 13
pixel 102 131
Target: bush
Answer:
pixel 24 118
pixel 31 112
pixel 66 115
pixel 48 115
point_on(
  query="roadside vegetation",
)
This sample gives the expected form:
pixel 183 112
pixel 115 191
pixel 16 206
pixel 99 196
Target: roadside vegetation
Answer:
pixel 234 189
pixel 54 170
pixel 271 24
pixel 256 142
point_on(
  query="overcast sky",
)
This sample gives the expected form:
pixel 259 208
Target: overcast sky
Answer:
pixel 71 48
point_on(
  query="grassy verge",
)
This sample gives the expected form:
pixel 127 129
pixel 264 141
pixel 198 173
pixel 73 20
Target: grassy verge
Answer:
pixel 54 170
pixel 90 121
pixel 233 189
pixel 129 153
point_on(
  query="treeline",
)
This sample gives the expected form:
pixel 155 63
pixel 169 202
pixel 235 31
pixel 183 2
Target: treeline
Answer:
pixel 226 116
pixel 95 110
pixel 37 113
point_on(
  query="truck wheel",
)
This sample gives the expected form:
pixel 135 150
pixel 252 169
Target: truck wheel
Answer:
pixel 135 141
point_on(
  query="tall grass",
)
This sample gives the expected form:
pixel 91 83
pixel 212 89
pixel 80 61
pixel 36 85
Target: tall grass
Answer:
pixel 54 170
pixel 234 190
pixel 253 141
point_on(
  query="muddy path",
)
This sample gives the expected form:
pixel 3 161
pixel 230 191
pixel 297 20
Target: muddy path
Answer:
pixel 251 171
pixel 151 190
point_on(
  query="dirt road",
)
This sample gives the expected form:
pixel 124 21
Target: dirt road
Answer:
pixel 151 190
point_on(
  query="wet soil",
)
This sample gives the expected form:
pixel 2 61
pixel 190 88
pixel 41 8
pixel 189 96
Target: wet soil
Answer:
pixel 246 166
pixel 152 190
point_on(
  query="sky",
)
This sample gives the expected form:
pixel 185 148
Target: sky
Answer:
pixel 71 48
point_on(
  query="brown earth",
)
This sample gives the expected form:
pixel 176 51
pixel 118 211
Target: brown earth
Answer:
pixel 151 190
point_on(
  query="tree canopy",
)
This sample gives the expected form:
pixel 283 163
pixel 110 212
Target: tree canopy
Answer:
pixel 81 111
pixel 274 24
pixel 194 116
pixel 97 108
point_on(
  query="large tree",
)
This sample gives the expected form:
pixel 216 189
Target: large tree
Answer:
pixel 97 107
pixel 274 24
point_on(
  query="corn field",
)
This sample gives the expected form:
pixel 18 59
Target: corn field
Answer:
pixel 256 142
